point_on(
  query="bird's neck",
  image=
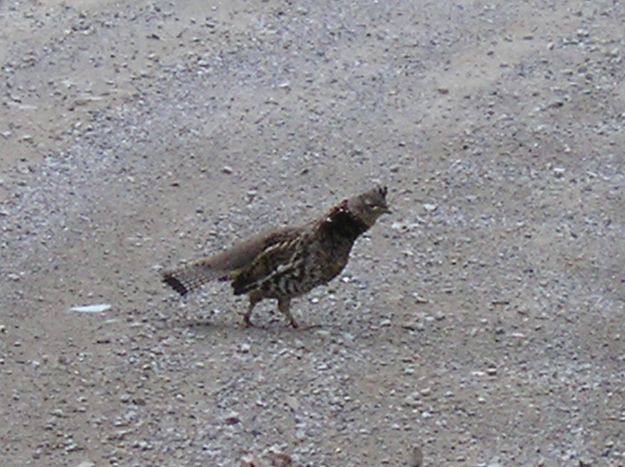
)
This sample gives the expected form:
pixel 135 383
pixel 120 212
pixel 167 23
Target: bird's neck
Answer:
pixel 341 224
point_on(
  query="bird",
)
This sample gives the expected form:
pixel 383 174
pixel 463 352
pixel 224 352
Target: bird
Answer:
pixel 286 262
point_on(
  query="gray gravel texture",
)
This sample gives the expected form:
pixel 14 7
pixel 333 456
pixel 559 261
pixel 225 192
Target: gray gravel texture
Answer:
pixel 482 324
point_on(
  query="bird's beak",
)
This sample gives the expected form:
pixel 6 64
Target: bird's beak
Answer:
pixel 387 211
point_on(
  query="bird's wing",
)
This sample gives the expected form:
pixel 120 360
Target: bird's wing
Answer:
pixel 245 253
pixel 226 264
pixel 276 259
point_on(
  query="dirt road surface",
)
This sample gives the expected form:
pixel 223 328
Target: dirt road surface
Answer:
pixel 482 324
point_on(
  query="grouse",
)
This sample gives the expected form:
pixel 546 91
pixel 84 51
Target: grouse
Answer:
pixel 287 262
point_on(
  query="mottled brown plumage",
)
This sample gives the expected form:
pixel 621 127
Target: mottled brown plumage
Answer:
pixel 287 262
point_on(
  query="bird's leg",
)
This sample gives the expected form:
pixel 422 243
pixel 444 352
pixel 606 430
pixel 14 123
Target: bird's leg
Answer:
pixel 283 305
pixel 254 299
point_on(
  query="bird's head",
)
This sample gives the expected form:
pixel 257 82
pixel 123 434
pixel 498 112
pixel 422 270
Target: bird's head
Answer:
pixel 370 205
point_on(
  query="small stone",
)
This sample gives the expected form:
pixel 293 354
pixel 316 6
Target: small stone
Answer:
pixel 143 445
pixel 419 299
pixel 413 326
pixel 429 207
pixel 413 400
pixel 614 52
pixel 227 169
pixel 71 447
pixel 232 419
pixel 292 402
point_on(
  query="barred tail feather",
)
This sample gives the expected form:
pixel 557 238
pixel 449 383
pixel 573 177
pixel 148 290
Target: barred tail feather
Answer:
pixel 190 277
pixel 175 283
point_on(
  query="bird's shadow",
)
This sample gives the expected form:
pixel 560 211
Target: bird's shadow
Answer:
pixel 276 326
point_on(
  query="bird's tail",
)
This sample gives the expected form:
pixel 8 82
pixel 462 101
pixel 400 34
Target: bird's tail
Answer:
pixel 192 276
pixel 224 265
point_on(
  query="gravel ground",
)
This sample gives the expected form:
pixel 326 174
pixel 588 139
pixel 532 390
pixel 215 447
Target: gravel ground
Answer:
pixel 481 324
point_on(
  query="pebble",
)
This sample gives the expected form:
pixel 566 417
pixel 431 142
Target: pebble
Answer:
pixel 413 399
pixel 232 419
pixel 413 326
pixel 419 299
